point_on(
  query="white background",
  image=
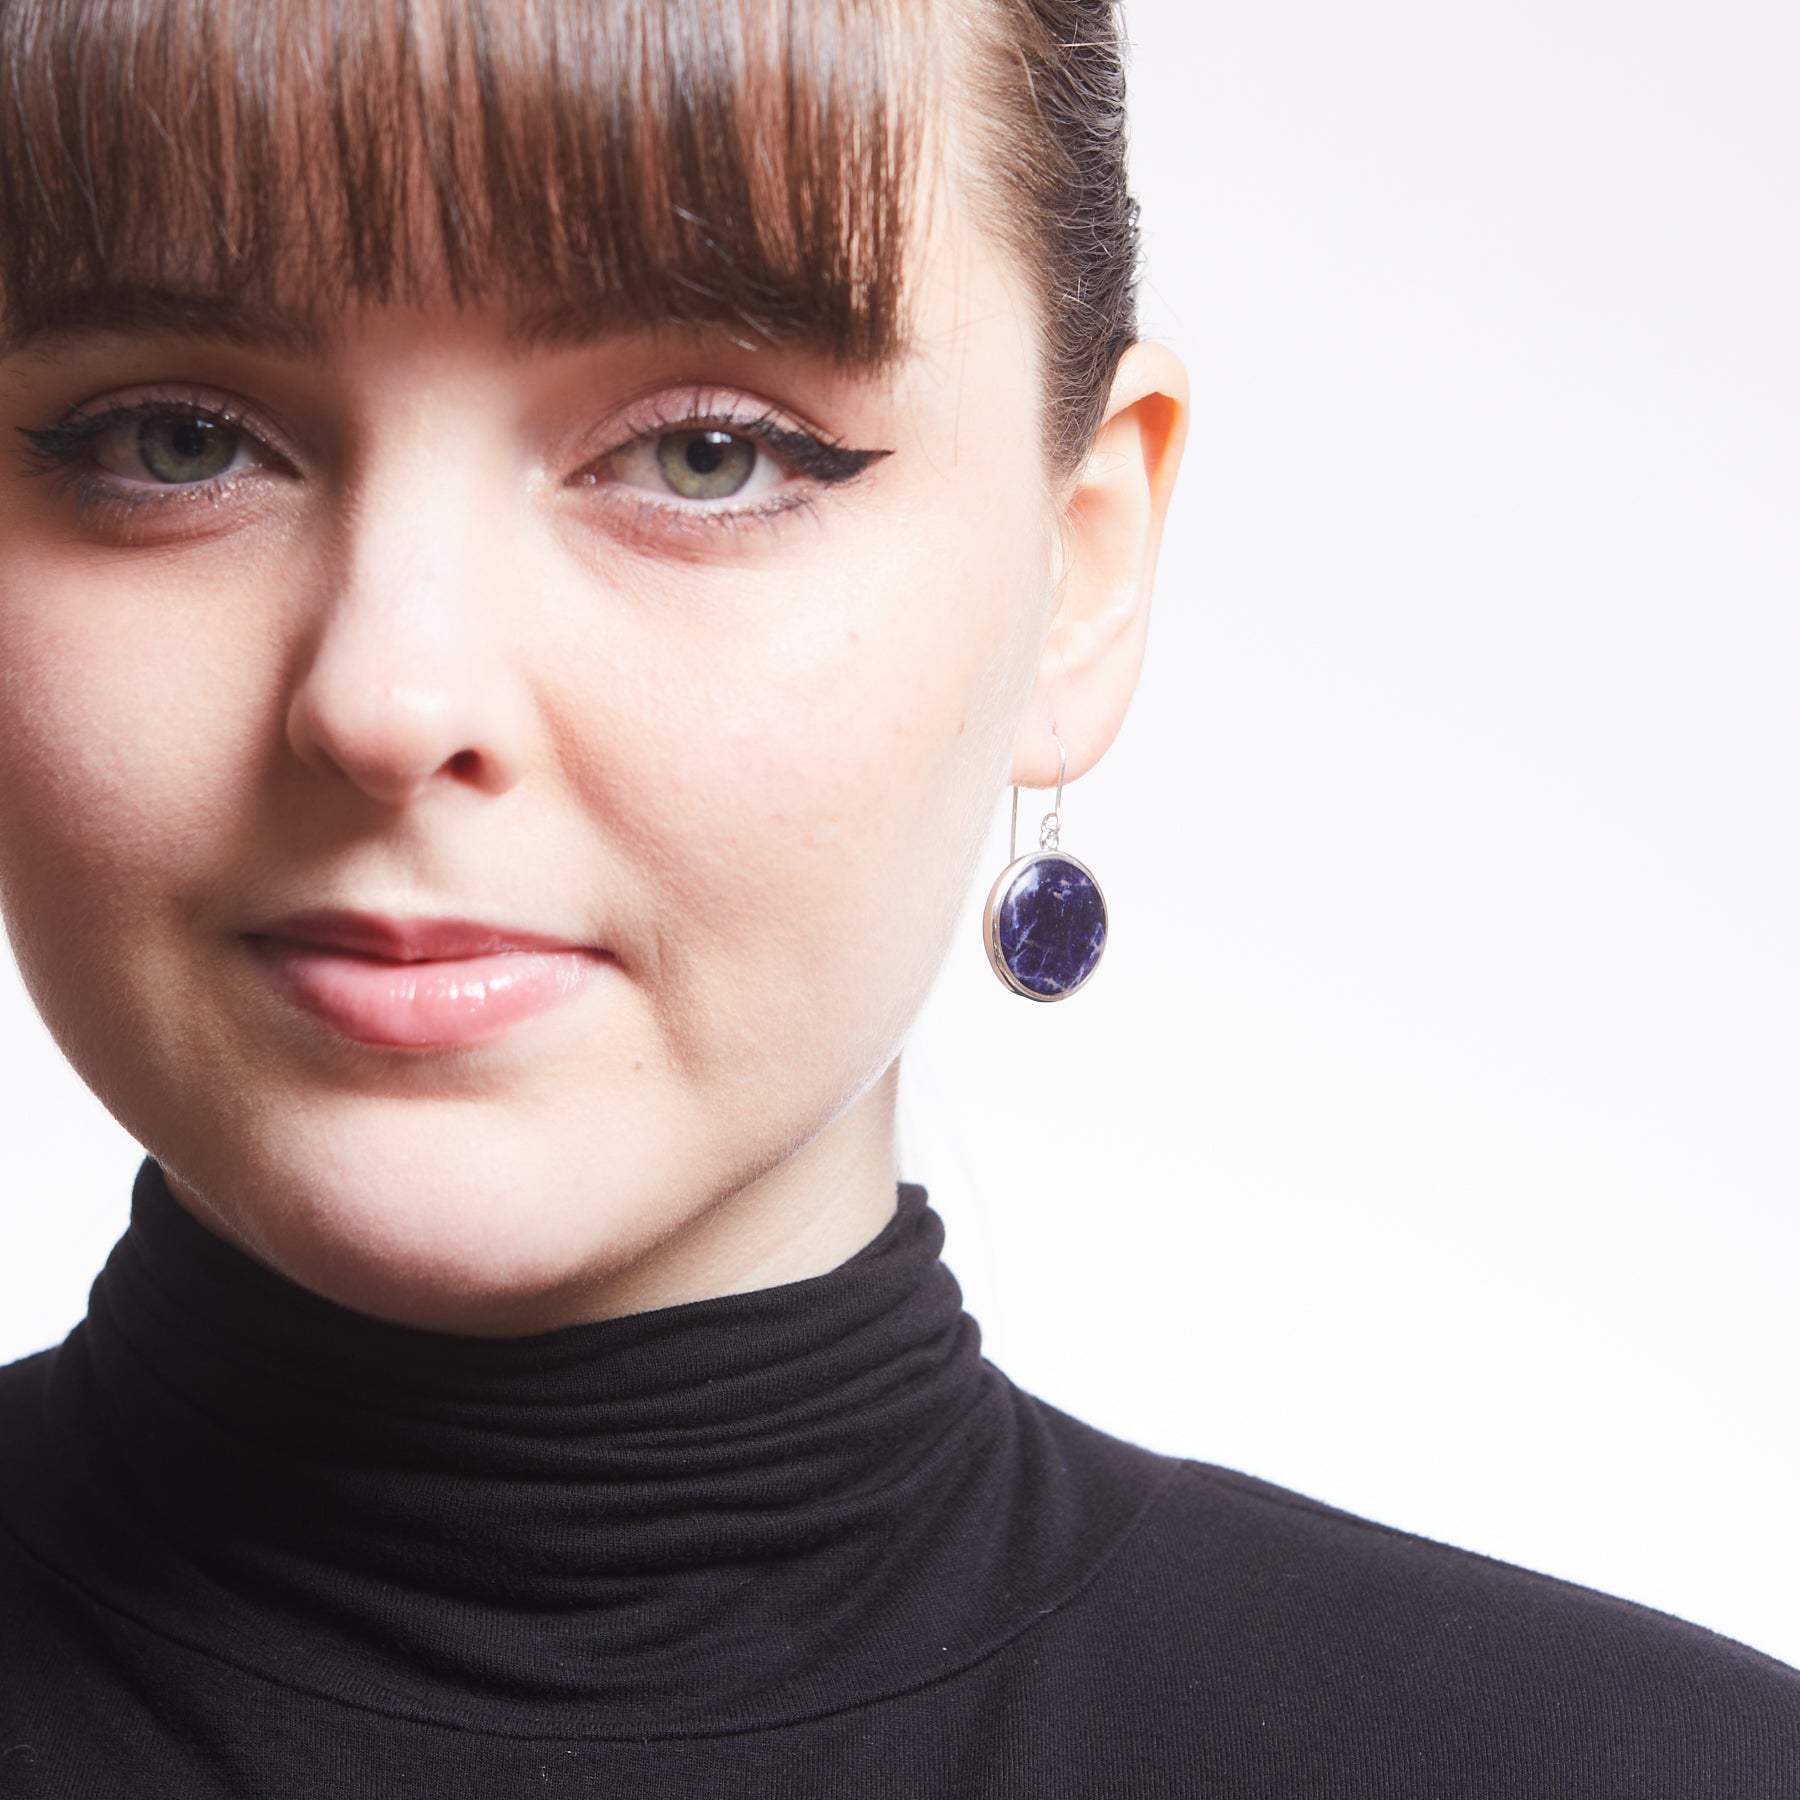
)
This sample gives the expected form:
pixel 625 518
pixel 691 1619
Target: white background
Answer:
pixel 1429 1140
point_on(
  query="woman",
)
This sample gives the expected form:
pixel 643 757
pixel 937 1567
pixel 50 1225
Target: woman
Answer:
pixel 538 539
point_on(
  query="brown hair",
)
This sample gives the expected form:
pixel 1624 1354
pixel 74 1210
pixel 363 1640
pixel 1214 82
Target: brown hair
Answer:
pixel 746 163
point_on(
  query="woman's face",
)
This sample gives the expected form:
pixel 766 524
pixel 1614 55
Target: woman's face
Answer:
pixel 610 653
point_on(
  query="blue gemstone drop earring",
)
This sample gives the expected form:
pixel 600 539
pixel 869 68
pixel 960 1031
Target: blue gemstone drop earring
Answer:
pixel 1045 923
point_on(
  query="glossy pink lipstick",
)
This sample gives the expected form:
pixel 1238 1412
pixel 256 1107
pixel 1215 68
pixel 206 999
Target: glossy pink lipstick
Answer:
pixel 418 984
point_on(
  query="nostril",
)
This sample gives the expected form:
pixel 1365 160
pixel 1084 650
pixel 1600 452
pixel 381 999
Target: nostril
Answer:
pixel 466 764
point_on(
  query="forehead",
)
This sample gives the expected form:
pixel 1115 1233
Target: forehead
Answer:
pixel 579 166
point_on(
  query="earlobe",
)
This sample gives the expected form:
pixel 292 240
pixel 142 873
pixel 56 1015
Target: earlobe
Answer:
pixel 1112 525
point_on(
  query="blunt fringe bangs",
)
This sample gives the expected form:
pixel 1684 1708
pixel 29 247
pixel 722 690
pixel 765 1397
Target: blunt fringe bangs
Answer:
pixel 741 163
pixel 696 163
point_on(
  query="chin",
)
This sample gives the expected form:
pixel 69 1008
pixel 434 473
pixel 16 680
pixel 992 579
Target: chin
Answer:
pixel 460 1216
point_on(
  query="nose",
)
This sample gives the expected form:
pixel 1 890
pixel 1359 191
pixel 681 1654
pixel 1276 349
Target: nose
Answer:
pixel 404 686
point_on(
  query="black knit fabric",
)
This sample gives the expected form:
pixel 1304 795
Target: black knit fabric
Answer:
pixel 795 1543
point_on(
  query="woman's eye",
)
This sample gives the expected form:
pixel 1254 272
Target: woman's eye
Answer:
pixel 127 453
pixel 705 461
pixel 702 462
pixel 174 449
pixel 706 464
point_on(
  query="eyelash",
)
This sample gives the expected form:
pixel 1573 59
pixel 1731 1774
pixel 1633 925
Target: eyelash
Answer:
pixel 57 451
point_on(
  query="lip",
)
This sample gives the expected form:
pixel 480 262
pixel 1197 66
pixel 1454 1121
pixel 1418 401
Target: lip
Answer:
pixel 420 983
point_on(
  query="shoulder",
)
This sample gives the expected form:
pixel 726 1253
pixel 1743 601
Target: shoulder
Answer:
pixel 26 1492
pixel 37 1613
pixel 1256 1543
pixel 23 1388
pixel 1305 1649
pixel 1314 1640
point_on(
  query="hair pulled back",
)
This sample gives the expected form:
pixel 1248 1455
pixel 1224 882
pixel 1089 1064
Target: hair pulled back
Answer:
pixel 1047 89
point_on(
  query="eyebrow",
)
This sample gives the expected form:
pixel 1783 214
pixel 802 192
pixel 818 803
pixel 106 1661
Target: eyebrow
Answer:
pixel 291 331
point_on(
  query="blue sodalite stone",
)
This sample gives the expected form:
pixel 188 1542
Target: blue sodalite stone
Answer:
pixel 1050 926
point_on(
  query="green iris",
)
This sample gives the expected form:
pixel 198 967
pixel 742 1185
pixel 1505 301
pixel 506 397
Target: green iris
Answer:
pixel 179 450
pixel 705 465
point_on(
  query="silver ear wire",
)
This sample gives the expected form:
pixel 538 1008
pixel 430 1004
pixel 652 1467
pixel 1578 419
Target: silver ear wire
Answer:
pixel 1050 831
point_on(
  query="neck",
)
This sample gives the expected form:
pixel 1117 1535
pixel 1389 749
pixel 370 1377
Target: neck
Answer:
pixel 812 1212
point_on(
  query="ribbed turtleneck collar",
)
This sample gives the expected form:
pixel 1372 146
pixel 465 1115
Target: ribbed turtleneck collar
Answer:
pixel 724 1513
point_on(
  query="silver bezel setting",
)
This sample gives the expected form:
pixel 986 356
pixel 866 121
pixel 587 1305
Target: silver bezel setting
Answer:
pixel 990 922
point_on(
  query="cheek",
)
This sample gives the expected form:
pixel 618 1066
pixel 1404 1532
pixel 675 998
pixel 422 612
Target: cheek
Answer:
pixel 811 776
pixel 122 753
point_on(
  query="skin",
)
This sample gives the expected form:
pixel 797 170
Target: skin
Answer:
pixel 412 663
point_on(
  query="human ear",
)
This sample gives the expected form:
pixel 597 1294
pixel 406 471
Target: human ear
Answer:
pixel 1112 522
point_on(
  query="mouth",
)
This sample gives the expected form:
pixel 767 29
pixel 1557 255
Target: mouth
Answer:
pixel 420 983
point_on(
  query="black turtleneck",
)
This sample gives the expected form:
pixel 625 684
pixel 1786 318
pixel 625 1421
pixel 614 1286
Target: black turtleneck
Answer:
pixel 801 1542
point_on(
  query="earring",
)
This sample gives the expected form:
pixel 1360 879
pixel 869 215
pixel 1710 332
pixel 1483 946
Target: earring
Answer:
pixel 1045 923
